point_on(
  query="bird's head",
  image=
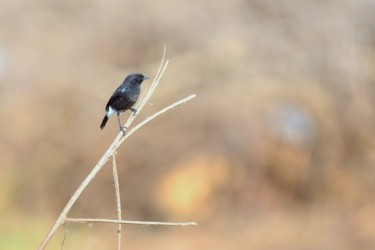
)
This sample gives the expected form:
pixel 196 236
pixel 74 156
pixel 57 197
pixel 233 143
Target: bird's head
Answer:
pixel 135 78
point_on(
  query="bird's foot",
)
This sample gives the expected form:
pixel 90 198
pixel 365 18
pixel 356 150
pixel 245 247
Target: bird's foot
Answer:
pixel 134 111
pixel 123 129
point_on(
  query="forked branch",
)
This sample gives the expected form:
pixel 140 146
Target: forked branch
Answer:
pixel 110 152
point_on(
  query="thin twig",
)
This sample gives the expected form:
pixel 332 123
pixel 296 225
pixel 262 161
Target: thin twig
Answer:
pixel 65 233
pixel 118 201
pixel 157 74
pixel 155 115
pixel 90 220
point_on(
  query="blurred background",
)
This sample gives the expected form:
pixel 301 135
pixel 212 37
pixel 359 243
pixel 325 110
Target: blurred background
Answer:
pixel 276 152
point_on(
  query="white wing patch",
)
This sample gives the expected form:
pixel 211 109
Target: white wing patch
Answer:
pixel 110 111
pixel 124 89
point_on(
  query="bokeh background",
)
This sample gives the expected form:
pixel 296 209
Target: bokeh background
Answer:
pixel 276 152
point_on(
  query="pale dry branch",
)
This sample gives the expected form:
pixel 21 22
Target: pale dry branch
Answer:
pixel 112 148
pixel 157 75
pixel 110 152
pixel 145 121
pixel 118 201
pixel 90 220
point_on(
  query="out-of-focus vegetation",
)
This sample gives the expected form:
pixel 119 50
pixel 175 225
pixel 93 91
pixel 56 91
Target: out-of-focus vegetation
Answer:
pixel 277 151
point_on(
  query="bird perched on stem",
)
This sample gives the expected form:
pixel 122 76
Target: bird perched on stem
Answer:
pixel 124 98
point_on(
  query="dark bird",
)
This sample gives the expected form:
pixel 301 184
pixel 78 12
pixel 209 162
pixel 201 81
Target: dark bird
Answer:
pixel 124 98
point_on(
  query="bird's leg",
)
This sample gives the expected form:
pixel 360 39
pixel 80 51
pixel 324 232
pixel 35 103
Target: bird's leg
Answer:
pixel 134 110
pixel 119 123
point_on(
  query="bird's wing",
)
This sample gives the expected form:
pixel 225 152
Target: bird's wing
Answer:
pixel 117 95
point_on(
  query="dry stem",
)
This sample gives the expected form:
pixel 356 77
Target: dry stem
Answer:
pixel 90 220
pixel 110 152
pixel 118 201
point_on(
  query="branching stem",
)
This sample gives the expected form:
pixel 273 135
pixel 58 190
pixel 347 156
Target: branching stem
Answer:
pixel 110 153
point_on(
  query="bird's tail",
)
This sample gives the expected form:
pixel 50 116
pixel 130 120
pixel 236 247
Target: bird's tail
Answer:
pixel 105 119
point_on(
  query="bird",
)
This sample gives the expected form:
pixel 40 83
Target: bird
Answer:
pixel 124 98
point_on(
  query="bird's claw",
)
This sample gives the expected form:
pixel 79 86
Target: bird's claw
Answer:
pixel 134 111
pixel 123 129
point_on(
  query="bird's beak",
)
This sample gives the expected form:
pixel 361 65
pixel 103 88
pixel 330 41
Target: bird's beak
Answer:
pixel 146 77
